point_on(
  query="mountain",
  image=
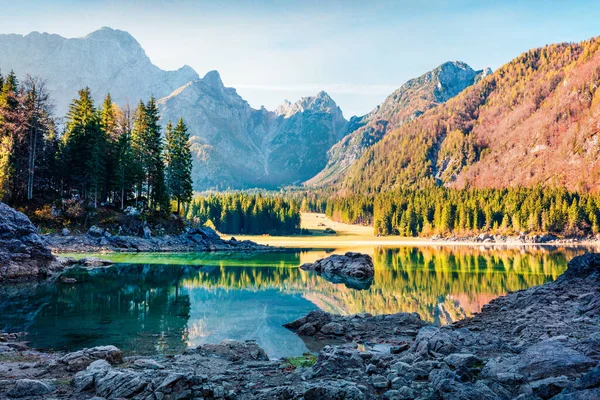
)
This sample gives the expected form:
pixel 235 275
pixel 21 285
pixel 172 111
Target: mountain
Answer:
pixel 236 146
pixel 405 104
pixel 107 60
pixel 534 121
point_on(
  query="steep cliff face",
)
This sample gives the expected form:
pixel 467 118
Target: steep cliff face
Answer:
pixel 106 60
pixel 532 122
pixel 236 146
pixel 408 102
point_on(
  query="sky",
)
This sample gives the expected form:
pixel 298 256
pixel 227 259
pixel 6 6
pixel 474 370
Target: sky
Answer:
pixel 357 51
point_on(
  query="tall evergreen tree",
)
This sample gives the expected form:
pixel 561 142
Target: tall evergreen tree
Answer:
pixel 85 143
pixel 178 157
pixel 12 126
pixel 159 197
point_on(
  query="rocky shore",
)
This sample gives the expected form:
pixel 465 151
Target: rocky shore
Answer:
pixel 523 239
pixel 539 343
pixel 193 240
pixel 25 254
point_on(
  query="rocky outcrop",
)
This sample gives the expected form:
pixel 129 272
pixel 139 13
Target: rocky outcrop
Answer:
pixel 107 60
pixel 270 148
pixel 355 267
pixel 194 239
pixel 23 253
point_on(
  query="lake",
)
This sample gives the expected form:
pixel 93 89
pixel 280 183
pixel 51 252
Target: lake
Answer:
pixel 165 303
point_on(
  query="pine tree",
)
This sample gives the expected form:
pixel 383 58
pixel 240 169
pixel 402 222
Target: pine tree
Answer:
pixel 159 197
pixel 85 144
pixel 10 130
pixel 178 157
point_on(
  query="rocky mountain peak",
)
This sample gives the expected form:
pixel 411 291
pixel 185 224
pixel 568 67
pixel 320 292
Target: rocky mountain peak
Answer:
pixel 213 79
pixel 321 102
pixel 110 34
pixel 106 60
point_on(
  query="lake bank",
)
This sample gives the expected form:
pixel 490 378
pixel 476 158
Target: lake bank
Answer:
pixel 326 233
pixel 537 343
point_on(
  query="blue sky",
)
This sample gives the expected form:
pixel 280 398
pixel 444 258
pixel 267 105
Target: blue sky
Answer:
pixel 357 51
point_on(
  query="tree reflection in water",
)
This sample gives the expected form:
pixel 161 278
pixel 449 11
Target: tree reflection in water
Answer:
pixel 164 303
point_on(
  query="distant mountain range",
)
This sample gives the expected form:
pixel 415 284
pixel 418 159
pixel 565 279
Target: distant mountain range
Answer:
pixel 236 146
pixel 107 60
pixel 406 103
pixel 534 121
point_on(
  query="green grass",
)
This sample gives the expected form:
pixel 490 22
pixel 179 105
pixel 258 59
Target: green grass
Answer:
pixel 305 360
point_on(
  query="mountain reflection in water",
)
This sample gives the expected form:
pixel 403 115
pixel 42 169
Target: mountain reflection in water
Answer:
pixel 149 303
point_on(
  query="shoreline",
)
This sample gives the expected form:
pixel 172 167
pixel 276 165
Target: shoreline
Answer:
pixel 541 342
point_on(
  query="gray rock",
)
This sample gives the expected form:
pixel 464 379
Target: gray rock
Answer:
pixel 147 233
pixel 542 360
pixel 147 363
pixel 79 360
pixel 65 232
pixel 379 382
pixel 333 328
pixel 466 360
pixel 589 380
pixel 235 351
pixel 549 387
pixel 23 253
pixel 95 231
pixel 29 388
pixel 354 265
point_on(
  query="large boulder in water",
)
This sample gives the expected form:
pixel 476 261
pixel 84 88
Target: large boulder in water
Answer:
pixel 353 265
pixel 586 266
pixel 22 250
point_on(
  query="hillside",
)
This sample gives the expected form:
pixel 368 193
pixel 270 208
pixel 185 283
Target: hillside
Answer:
pixel 533 121
pixel 405 104
pixel 107 60
pixel 236 146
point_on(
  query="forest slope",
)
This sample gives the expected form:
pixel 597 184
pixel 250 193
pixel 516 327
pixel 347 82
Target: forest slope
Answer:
pixel 405 104
pixel 533 121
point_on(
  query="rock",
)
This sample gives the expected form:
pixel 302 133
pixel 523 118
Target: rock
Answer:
pixel 29 388
pixel 79 360
pixel 333 328
pixel 549 387
pixel 433 339
pixel 65 232
pixel 146 233
pixel 147 363
pixel 331 390
pixel 93 262
pixel 131 211
pixel 586 266
pixel 334 360
pixel 458 360
pixel 235 351
pixel 379 382
pixel 542 360
pixel 354 265
pixel 95 231
pixel 589 380
pixel 23 253
pixel 400 348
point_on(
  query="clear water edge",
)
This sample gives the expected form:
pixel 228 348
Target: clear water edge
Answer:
pixel 164 303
